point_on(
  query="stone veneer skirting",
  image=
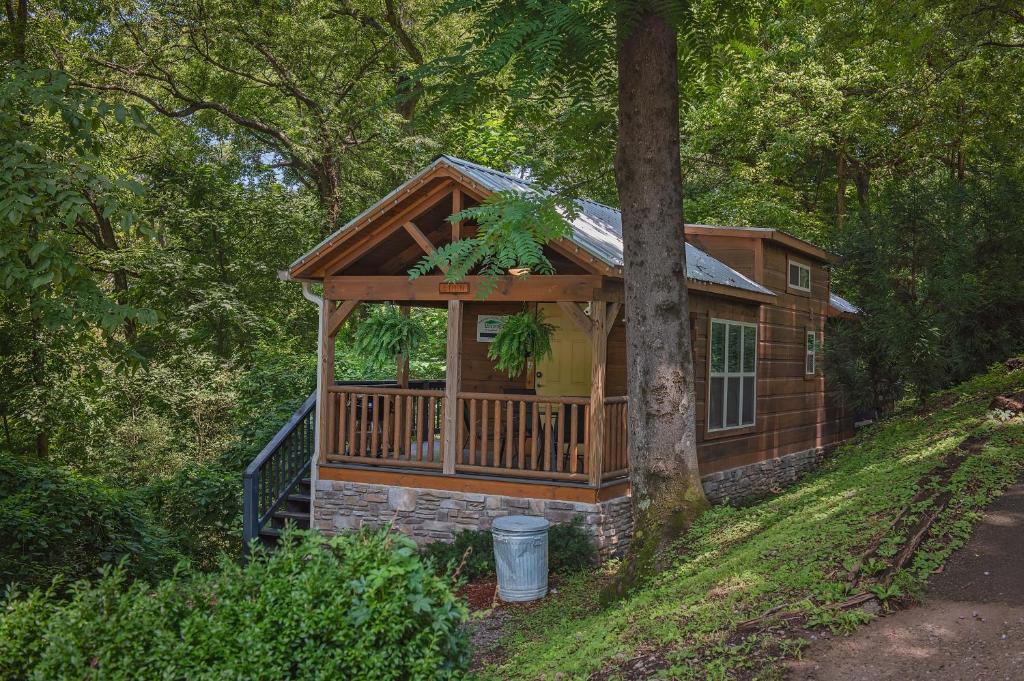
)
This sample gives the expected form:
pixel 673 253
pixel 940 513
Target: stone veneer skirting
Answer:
pixel 428 514
pixel 761 478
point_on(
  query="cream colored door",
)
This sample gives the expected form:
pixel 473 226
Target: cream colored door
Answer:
pixel 567 370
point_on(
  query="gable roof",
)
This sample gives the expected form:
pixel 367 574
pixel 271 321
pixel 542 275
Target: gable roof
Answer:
pixel 596 228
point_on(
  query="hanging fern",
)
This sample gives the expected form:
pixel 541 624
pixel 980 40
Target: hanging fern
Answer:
pixel 512 231
pixel 523 335
pixel 386 333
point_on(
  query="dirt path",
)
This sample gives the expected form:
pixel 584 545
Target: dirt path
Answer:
pixel 970 625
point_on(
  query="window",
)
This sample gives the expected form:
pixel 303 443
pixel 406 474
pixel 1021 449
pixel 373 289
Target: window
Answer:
pixel 811 358
pixel 732 379
pixel 799 276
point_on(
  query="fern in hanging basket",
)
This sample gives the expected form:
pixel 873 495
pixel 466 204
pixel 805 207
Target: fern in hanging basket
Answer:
pixel 386 333
pixel 524 335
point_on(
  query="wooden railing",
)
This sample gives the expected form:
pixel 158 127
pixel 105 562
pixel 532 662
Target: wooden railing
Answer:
pixel 616 462
pixel 385 426
pixel 524 435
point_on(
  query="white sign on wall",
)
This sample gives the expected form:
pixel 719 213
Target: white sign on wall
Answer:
pixel 488 326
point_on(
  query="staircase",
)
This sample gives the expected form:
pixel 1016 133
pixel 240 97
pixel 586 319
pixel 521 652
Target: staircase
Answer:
pixel 276 485
pixel 294 509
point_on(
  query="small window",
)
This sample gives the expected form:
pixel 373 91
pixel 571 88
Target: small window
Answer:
pixel 732 379
pixel 811 361
pixel 799 276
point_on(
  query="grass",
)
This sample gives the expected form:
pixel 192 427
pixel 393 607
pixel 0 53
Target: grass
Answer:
pixel 790 551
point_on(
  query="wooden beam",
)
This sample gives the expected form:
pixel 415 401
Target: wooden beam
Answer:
pixel 613 312
pixel 573 311
pixel 453 383
pixel 339 315
pixel 345 255
pixel 326 379
pixel 535 288
pixel 457 206
pixel 409 255
pixel 421 239
pixel 598 368
pixel 402 377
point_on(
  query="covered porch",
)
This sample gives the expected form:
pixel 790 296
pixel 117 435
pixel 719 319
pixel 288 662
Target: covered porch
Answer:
pixel 553 433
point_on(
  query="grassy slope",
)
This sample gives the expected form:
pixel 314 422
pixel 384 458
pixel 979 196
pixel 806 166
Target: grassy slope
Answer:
pixel 738 563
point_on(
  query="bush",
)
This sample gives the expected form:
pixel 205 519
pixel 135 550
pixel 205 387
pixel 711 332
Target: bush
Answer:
pixel 55 523
pixel 358 605
pixel 446 556
pixel 570 549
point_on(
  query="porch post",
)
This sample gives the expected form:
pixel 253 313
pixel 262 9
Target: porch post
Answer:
pixel 453 382
pixel 403 361
pixel 325 377
pixel 598 364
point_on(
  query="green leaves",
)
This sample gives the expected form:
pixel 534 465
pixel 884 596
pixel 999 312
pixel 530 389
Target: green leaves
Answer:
pixel 386 333
pixel 355 606
pixel 512 231
pixel 523 335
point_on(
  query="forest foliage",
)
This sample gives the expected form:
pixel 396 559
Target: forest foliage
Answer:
pixel 161 161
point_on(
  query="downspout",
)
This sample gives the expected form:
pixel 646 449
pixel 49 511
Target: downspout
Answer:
pixel 307 293
pixel 314 470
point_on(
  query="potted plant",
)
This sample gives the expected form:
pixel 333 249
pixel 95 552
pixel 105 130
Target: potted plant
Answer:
pixel 524 335
pixel 386 335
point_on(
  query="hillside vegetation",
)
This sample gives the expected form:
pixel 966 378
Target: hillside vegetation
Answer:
pixel 787 564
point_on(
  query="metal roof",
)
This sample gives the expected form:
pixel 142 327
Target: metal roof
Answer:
pixel 596 228
pixel 842 304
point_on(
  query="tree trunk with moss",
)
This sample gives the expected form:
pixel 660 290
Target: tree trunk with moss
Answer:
pixel 666 487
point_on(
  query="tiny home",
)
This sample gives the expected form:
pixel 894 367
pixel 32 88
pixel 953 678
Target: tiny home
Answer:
pixel 435 458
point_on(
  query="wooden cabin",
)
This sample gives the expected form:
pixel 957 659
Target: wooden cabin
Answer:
pixel 436 458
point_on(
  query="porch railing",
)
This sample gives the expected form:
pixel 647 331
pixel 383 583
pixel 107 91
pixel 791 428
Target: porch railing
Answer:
pixel 515 435
pixel 616 462
pixel 385 426
pixel 524 435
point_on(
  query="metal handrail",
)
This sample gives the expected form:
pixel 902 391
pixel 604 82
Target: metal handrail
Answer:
pixel 274 473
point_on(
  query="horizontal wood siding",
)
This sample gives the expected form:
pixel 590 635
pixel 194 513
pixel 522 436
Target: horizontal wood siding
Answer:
pixel 478 372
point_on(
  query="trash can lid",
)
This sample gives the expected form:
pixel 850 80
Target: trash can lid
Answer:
pixel 521 523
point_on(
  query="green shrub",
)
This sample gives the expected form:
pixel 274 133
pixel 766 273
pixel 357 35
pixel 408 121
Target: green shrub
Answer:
pixel 358 605
pixel 570 548
pixel 55 523
pixel 446 556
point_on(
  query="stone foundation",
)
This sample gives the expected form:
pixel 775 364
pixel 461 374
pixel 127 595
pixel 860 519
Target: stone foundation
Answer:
pixel 428 514
pixel 761 478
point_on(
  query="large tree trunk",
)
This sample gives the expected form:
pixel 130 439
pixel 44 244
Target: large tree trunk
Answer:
pixel 666 487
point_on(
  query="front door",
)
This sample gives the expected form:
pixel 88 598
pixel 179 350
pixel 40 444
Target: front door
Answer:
pixel 567 370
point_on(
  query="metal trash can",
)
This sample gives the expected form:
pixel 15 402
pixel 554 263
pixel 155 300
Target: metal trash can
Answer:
pixel 521 557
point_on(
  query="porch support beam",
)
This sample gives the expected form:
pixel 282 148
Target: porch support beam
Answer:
pixel 613 312
pixel 573 312
pixel 339 315
pixel 453 383
pixel 402 377
pixel 598 367
pixel 325 376
pixel 535 288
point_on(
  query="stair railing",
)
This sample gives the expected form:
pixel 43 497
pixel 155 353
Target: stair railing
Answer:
pixel 275 472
